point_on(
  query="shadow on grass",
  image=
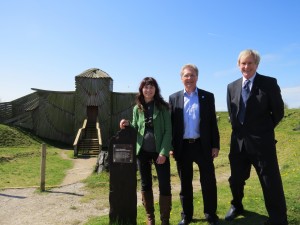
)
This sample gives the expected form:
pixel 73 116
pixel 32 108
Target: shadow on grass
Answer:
pixel 247 218
pixel 48 142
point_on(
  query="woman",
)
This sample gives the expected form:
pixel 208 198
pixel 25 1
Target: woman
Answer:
pixel 151 119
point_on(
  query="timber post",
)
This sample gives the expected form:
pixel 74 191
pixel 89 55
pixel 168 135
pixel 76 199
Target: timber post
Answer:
pixel 43 167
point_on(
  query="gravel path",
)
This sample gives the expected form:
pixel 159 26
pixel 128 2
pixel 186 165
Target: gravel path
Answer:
pixel 61 205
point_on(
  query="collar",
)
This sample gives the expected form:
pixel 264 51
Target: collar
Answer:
pixel 251 79
pixel 195 92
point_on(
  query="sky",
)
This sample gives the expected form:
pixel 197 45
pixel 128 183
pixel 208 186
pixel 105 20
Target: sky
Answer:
pixel 45 44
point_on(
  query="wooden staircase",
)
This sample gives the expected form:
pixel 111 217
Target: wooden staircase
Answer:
pixel 89 144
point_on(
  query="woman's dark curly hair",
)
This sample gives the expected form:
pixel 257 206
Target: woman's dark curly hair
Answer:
pixel 158 99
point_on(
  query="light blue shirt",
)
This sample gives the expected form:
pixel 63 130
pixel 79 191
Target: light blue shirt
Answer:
pixel 191 114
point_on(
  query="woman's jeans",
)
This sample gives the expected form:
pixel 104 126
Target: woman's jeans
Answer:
pixel 145 161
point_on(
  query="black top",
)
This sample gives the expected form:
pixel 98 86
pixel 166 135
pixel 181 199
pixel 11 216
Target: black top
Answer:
pixel 149 139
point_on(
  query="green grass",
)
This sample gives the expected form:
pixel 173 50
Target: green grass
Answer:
pixel 15 137
pixel 288 148
pixel 20 160
pixel 20 163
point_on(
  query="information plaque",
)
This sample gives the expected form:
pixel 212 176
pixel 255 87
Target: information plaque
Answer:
pixel 122 153
pixel 122 178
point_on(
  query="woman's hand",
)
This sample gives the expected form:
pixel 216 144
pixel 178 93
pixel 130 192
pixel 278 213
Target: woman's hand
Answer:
pixel 124 123
pixel 161 159
pixel 214 152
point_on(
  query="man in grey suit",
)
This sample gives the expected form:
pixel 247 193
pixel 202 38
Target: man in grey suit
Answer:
pixel 255 107
pixel 195 139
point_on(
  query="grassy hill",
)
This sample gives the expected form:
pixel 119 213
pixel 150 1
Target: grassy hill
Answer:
pixel 20 156
pixel 15 137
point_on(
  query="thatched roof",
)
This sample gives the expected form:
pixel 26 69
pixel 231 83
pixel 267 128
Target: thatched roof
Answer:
pixel 94 73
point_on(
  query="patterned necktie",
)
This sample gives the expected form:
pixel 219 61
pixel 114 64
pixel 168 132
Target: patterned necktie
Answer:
pixel 243 101
pixel 246 91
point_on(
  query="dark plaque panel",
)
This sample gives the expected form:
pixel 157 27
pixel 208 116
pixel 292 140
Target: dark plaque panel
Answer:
pixel 122 153
pixel 123 181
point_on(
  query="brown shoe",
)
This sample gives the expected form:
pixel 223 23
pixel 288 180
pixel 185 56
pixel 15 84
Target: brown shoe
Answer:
pixel 148 202
pixel 165 205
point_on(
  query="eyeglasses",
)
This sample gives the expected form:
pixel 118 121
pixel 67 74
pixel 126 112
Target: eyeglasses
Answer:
pixel 189 76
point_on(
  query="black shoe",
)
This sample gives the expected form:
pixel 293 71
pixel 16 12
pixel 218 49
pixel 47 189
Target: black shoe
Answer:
pixel 184 222
pixel 212 219
pixel 269 223
pixel 213 222
pixel 233 213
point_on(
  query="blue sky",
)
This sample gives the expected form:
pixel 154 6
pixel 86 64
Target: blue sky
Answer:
pixel 45 44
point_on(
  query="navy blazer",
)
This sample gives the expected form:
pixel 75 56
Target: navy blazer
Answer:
pixel 265 109
pixel 209 132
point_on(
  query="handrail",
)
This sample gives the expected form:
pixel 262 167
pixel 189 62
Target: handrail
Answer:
pixel 78 137
pixel 99 135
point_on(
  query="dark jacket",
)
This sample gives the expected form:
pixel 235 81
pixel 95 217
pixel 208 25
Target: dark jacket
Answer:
pixel 208 122
pixel 265 109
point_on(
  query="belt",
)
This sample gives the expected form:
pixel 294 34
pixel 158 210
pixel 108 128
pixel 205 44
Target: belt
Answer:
pixel 191 140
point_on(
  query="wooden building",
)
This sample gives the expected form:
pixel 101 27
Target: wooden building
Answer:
pixel 86 117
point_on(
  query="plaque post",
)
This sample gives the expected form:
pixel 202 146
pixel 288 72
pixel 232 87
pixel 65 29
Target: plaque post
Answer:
pixel 123 181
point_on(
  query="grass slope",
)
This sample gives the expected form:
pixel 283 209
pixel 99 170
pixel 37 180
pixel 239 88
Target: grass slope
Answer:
pixel 20 156
pixel 15 137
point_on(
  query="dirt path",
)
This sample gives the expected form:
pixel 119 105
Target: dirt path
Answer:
pixel 83 167
pixel 61 205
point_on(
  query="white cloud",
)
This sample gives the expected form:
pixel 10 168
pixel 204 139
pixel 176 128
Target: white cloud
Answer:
pixel 212 34
pixel 291 96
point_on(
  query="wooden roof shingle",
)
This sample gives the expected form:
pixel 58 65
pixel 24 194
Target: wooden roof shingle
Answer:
pixel 94 73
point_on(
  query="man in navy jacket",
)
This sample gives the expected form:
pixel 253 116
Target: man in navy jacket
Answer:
pixel 195 139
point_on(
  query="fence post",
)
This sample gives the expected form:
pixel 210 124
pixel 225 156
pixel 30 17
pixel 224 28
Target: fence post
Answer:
pixel 43 167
